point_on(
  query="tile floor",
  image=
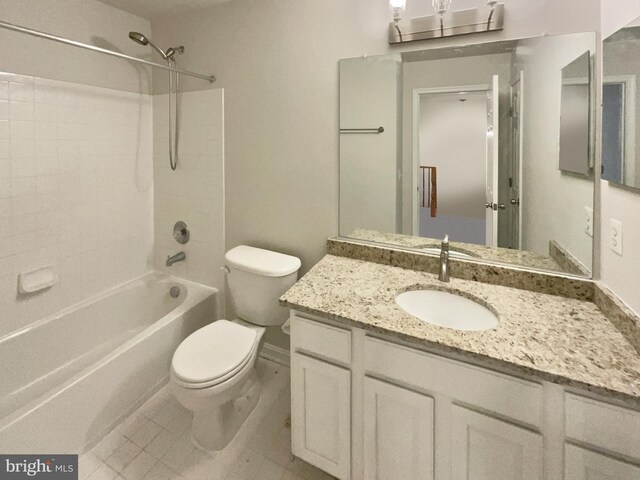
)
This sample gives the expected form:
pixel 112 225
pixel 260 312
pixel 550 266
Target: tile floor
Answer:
pixel 154 443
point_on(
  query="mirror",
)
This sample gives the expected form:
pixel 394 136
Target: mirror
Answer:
pixel 620 161
pixel 574 116
pixel 486 143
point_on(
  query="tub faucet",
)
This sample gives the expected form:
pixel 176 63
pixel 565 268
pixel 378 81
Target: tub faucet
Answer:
pixel 444 260
pixel 178 257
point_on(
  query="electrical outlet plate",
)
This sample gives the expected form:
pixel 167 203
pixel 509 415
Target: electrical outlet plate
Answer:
pixel 589 221
pixel 615 235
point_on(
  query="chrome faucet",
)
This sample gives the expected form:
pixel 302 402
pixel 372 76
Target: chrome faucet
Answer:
pixel 444 260
pixel 178 257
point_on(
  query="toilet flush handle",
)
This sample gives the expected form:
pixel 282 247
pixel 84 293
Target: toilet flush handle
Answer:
pixel 225 268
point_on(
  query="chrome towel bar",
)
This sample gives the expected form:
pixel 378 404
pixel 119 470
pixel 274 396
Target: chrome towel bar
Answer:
pixel 362 130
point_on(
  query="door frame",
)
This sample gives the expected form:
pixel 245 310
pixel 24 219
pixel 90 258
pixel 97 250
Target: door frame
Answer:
pixel 519 84
pixel 629 119
pixel 415 181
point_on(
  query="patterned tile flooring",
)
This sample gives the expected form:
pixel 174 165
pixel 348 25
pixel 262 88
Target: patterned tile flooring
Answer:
pixel 154 443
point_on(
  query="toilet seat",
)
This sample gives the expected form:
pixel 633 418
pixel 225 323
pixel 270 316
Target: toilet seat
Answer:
pixel 213 354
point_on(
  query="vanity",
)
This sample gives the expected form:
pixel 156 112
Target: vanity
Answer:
pixel 393 374
pixel 551 392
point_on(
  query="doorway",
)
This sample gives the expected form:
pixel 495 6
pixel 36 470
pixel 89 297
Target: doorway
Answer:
pixel 454 148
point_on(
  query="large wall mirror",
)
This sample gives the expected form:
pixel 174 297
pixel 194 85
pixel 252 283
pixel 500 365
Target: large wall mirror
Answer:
pixel 490 144
pixel 620 123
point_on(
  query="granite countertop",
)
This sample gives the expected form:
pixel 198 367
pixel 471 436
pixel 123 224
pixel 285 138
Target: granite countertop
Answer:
pixel 548 337
pixel 522 258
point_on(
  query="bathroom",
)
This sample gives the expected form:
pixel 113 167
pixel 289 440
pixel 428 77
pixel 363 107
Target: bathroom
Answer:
pixel 101 286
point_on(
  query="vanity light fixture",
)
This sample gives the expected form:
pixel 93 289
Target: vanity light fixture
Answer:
pixel 445 22
pixel 398 7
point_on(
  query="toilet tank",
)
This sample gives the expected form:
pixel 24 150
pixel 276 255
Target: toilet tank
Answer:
pixel 256 280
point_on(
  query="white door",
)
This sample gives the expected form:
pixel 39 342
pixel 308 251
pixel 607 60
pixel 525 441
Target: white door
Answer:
pixel 398 433
pixel 515 164
pixel 582 464
pixel 320 415
pixel 493 116
pixel 484 448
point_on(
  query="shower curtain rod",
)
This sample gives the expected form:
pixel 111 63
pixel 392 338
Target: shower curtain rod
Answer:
pixel 73 43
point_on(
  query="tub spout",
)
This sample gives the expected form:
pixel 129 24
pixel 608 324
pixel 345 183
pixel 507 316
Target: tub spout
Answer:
pixel 178 257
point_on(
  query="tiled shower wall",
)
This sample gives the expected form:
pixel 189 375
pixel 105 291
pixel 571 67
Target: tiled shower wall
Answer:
pixel 194 192
pixel 76 191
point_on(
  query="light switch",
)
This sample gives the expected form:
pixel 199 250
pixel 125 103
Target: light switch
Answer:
pixel 589 221
pixel 615 235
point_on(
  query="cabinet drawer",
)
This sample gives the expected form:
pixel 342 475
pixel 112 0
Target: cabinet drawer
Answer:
pixel 507 396
pixel 610 427
pixel 321 339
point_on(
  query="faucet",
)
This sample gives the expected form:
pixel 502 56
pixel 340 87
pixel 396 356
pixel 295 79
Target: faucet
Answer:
pixel 444 260
pixel 178 257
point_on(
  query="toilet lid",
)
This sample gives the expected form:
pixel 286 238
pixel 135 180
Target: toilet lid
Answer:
pixel 212 352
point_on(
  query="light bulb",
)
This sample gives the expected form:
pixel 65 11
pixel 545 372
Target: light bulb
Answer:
pixel 398 4
pixel 441 6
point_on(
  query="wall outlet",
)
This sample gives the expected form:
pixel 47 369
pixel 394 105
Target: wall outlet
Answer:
pixel 615 235
pixel 589 221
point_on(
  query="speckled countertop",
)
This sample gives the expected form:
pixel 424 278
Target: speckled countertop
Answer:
pixel 522 258
pixel 553 338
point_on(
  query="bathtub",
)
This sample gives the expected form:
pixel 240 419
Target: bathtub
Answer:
pixel 68 379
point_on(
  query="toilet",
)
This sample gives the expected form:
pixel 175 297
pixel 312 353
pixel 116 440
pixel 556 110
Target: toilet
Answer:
pixel 212 370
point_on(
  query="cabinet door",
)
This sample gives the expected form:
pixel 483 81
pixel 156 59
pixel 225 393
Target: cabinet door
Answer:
pixel 398 433
pixel 320 415
pixel 582 464
pixel 484 448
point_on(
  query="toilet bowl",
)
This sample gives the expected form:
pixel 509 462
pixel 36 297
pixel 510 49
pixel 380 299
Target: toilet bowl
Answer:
pixel 213 369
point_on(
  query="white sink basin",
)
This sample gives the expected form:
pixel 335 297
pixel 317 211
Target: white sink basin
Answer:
pixel 452 253
pixel 447 310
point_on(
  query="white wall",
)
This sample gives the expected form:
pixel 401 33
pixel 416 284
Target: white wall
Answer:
pixel 278 63
pixel 553 203
pixel 87 21
pixel 453 138
pixel 621 274
pixel 194 192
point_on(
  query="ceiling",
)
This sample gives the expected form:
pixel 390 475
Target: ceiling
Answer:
pixel 159 8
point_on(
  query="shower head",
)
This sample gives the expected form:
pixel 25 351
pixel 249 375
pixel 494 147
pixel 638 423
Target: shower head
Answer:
pixel 142 40
pixel 138 38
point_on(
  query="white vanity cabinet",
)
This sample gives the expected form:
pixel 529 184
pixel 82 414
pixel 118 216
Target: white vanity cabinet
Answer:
pixel 321 396
pixel 596 425
pixel 321 414
pixel 485 448
pixel 398 432
pixel 583 464
pixel 366 408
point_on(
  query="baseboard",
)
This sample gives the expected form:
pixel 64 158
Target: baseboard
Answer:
pixel 275 354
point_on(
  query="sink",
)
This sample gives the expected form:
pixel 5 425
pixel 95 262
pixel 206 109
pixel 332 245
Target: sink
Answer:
pixel 452 253
pixel 447 310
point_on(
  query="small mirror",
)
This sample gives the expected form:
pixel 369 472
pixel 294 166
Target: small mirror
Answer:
pixel 574 116
pixel 620 161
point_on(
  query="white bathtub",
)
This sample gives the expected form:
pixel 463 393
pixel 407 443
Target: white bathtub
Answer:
pixel 66 380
